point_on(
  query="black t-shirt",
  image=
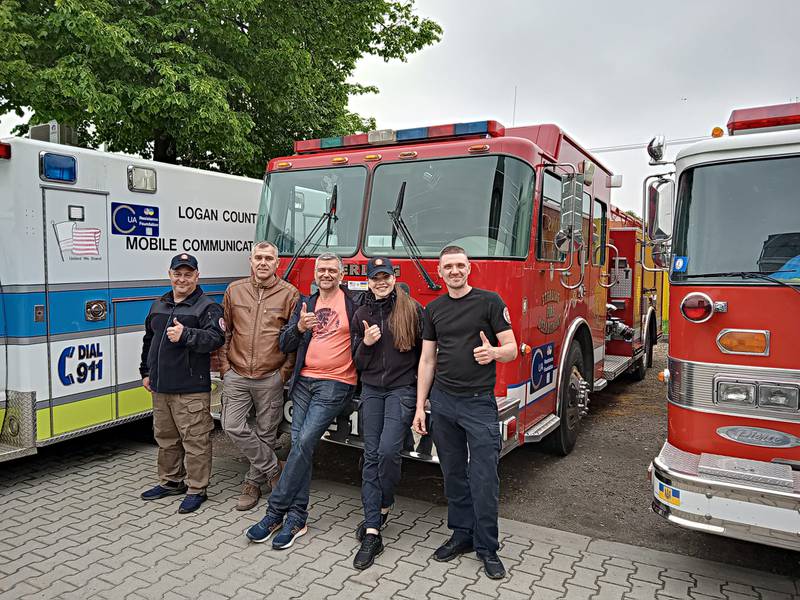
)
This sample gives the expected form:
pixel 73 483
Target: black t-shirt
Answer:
pixel 455 325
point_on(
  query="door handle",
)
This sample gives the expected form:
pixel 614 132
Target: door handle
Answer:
pixel 96 310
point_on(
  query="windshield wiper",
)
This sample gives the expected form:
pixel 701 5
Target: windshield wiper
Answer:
pixel 399 228
pixel 327 218
pixel 746 275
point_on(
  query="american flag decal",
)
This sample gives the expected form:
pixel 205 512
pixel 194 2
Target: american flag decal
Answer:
pixel 78 241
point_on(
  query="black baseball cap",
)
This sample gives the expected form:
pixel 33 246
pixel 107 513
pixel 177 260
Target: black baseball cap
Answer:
pixel 183 260
pixel 379 264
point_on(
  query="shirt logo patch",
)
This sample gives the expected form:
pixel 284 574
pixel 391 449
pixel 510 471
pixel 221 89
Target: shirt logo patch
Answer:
pixel 507 315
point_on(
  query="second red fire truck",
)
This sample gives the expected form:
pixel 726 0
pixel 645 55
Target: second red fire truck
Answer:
pixel 531 207
pixel 731 463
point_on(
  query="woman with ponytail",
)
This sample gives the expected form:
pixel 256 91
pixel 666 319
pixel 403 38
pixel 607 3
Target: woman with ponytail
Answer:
pixel 387 342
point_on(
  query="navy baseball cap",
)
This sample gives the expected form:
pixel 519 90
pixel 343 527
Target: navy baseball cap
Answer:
pixel 379 265
pixel 183 260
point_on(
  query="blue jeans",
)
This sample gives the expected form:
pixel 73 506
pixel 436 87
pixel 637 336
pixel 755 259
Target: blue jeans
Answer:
pixel 467 438
pixel 315 404
pixel 386 416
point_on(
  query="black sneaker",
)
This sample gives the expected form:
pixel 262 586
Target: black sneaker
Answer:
pixel 361 530
pixel 371 547
pixel 493 566
pixel 451 549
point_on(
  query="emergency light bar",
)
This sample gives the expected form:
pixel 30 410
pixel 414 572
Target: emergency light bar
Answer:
pixel 783 116
pixel 392 136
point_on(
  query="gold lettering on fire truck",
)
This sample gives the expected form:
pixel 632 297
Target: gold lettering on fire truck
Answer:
pixel 551 321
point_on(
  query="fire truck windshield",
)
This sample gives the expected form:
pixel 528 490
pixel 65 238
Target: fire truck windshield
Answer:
pixel 480 203
pixel 738 219
pixel 293 202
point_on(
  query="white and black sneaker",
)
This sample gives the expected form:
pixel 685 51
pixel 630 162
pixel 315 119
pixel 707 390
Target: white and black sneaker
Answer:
pixel 371 547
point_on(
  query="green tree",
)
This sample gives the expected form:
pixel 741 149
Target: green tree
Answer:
pixel 206 83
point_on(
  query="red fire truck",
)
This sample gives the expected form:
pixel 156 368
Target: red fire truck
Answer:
pixel 731 462
pixel 532 209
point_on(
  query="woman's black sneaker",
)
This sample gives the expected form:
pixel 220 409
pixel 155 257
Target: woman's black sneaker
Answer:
pixel 493 566
pixel 361 530
pixel 371 547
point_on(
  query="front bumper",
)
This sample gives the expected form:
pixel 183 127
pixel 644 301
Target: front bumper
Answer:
pixel 743 508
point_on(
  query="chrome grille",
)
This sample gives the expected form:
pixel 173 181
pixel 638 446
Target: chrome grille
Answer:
pixel 691 384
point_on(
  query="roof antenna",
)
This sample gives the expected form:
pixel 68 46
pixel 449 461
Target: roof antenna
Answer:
pixel 514 112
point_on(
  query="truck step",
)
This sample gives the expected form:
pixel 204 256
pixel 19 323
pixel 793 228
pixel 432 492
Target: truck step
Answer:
pixel 600 384
pixel 8 452
pixel 538 432
pixel 615 365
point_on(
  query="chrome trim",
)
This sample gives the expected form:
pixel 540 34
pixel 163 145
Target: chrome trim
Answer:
pixel 704 295
pixel 731 329
pixel 568 338
pixel 720 307
pixel 692 385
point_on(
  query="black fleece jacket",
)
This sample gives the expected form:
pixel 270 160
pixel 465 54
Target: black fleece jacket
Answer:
pixel 181 367
pixel 383 365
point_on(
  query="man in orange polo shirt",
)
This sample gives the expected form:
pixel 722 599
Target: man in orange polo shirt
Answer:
pixel 323 382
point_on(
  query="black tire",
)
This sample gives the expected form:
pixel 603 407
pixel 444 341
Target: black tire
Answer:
pixel 563 439
pixel 645 361
pixel 651 342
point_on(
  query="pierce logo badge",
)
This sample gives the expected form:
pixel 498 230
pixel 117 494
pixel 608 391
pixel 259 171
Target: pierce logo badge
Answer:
pixel 759 436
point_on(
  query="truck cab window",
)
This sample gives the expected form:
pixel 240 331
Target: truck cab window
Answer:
pixel 599 234
pixel 550 218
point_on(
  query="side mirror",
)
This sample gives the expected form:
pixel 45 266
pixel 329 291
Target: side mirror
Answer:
pixel 561 241
pixel 656 149
pixel 659 209
pixel 661 254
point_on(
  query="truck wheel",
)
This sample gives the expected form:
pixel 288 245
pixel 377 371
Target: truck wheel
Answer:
pixel 639 369
pixel 563 439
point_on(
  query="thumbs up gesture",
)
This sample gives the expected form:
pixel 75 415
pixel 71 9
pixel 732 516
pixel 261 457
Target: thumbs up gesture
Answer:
pixel 372 333
pixel 308 320
pixel 175 332
pixel 484 354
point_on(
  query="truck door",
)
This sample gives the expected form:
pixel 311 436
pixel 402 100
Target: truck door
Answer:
pixel 78 309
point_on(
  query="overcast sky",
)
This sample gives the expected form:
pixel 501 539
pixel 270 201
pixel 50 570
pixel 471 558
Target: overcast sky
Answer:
pixel 609 73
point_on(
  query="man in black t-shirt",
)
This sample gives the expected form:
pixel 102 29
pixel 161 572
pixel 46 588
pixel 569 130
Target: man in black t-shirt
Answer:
pixel 465 332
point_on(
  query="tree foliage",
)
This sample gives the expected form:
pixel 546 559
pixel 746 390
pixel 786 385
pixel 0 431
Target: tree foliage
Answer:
pixel 223 83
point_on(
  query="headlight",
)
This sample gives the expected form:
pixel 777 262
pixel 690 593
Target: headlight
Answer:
pixel 740 394
pixel 778 396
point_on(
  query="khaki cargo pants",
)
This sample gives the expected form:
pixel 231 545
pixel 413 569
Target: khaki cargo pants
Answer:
pixel 239 396
pixel 182 425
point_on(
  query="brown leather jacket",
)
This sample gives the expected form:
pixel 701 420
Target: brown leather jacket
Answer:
pixel 254 316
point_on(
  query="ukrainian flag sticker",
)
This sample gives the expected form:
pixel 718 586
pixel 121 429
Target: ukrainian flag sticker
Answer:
pixel 669 494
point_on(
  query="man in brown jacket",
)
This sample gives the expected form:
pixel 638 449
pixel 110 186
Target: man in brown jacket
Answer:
pixel 254 368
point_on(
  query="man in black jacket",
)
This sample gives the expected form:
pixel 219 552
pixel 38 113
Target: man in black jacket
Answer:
pixel 323 382
pixel 183 328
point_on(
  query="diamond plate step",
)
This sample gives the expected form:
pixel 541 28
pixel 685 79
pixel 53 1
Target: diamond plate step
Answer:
pixel 542 428
pixel 614 366
pixel 11 452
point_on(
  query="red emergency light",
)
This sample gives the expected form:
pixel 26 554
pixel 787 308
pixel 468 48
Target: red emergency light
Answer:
pixel 5 150
pixel 761 117
pixel 390 136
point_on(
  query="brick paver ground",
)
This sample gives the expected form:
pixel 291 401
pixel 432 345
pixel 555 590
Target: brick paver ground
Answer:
pixel 74 527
